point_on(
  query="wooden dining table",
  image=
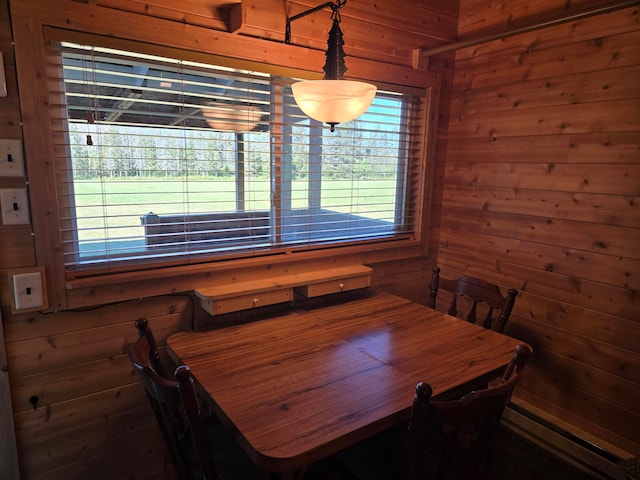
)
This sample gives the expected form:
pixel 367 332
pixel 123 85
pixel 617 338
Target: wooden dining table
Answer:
pixel 299 387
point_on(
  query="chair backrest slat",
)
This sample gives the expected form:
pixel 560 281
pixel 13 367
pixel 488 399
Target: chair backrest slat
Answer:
pixel 477 291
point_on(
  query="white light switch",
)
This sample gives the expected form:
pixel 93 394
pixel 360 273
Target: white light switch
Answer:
pixel 27 290
pixel 11 158
pixel 15 206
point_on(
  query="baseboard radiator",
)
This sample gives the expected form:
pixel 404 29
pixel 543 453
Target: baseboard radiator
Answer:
pixel 569 447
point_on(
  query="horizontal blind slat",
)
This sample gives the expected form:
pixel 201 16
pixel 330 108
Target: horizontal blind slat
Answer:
pixel 142 175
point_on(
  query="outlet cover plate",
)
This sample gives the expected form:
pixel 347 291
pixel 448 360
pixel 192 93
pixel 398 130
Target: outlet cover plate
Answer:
pixel 29 289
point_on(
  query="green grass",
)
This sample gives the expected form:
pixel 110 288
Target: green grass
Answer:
pixel 117 204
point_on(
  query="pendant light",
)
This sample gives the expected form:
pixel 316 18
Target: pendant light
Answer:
pixel 231 117
pixel 333 99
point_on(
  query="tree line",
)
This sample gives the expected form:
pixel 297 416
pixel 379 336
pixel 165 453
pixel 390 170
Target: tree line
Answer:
pixel 116 151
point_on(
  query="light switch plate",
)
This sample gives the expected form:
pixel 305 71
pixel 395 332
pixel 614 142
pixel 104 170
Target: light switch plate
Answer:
pixel 15 206
pixel 11 158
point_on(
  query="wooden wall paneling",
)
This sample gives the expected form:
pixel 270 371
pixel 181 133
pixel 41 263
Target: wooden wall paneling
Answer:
pixel 435 22
pixel 612 147
pixel 75 16
pixel 211 14
pixel 558 80
pixel 589 351
pixel 617 147
pixel 608 239
pixel 615 116
pixel 586 207
pixel 9 467
pixel 580 368
pixel 370 33
pixel 85 345
pixel 98 462
pixel 609 269
pixel 480 13
pixel 48 249
pixel 583 408
pixel 408 278
pixel 83 388
pixel 70 382
pixel 10 106
pixel 580 291
pixel 606 328
pixel 16 249
pixel 585 87
pixel 523 149
pixel 202 318
pixel 582 374
pixel 387 269
pixel 585 292
pixel 81 297
pixel 5 34
pixel 613 179
pixel 438 6
pixel 506 275
pixel 422 23
pixel 595 27
pixel 95 450
pixel 527 64
pixel 33 325
pixel 99 408
pixel 590 431
pixel 10 128
pixel 12 182
pixel 443 64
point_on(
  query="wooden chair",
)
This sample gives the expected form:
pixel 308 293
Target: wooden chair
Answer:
pixel 453 439
pixel 200 449
pixel 477 291
pixel 444 440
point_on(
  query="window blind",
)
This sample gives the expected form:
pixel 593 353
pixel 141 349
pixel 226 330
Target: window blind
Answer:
pixel 159 159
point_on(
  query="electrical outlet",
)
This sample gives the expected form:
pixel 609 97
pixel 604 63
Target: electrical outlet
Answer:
pixel 11 158
pixel 28 291
pixel 15 206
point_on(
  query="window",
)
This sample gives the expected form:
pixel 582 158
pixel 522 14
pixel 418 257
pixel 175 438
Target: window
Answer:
pixel 169 160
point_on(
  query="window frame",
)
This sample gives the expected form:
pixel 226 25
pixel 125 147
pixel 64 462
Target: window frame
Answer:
pixel 104 287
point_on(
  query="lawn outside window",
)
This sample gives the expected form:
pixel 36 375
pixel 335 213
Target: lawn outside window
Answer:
pixel 166 160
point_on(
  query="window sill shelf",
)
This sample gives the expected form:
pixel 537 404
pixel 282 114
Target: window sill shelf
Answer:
pixel 271 290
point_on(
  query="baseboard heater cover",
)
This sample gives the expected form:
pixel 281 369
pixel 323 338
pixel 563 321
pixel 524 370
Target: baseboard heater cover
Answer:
pixel 568 446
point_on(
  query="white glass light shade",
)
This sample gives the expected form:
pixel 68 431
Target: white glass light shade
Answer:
pixel 333 101
pixel 232 118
